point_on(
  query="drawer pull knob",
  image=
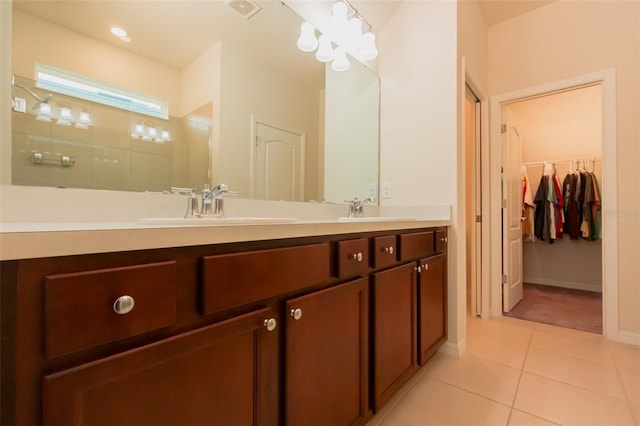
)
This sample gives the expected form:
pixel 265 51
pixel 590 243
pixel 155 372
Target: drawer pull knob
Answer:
pixel 296 313
pixel 270 324
pixel 388 250
pixel 444 239
pixel 357 257
pixel 123 304
pixel 418 269
pixel 425 266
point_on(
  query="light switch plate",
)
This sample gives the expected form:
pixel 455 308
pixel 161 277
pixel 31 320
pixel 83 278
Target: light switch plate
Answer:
pixel 386 190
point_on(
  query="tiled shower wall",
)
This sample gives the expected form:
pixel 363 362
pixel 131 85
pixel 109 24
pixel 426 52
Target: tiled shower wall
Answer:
pixel 105 155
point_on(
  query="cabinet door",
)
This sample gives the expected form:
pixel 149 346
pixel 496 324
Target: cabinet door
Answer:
pixel 394 336
pixel 327 357
pixel 433 305
pixel 223 374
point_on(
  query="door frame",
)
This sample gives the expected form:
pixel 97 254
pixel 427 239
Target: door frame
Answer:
pixel 252 148
pixel 607 78
pixel 483 286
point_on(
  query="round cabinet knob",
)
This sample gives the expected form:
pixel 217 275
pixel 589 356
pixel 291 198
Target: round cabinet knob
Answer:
pixel 418 268
pixel 388 250
pixel 123 304
pixel 270 324
pixel 444 239
pixel 357 257
pixel 296 313
pixel 425 266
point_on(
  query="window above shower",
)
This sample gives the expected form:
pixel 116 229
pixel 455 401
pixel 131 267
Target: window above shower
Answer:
pixel 82 87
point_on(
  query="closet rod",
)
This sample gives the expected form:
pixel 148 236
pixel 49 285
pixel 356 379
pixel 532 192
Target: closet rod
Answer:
pixel 540 163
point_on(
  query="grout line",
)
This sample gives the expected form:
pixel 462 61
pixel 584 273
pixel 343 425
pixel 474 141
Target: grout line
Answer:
pixel 624 389
pixel 524 361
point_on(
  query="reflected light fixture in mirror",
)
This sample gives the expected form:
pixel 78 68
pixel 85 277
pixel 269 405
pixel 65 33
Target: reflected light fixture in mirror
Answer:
pixel 345 31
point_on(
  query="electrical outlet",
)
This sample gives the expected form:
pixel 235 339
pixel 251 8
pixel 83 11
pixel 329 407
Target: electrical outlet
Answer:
pixel 386 190
pixel 373 191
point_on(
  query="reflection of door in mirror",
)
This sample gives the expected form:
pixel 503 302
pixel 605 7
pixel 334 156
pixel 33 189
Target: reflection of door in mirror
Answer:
pixel 278 164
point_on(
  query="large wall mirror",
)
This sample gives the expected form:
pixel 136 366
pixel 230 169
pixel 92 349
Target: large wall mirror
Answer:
pixel 237 101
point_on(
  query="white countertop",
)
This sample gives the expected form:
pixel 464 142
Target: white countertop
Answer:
pixel 33 240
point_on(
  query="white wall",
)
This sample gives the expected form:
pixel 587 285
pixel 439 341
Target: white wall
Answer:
pixel 566 39
pixel 254 88
pixel 351 136
pixel 35 40
pixel 418 121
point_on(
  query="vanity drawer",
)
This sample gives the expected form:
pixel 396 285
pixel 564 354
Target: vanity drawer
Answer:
pixel 353 257
pixel 231 280
pixel 441 240
pixel 385 251
pixel 418 244
pixel 80 308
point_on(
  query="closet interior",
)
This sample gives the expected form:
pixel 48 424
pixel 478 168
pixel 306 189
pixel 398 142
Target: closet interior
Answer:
pixel 562 209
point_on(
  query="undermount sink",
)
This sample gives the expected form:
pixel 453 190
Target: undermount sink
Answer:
pixel 216 221
pixel 375 219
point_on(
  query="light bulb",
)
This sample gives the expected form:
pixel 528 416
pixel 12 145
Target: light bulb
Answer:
pixel 368 50
pixel 307 41
pixel 65 117
pixel 340 62
pixel 165 135
pixel 153 132
pixel 339 15
pixel 325 51
pixel 354 35
pixel 83 120
pixel 44 113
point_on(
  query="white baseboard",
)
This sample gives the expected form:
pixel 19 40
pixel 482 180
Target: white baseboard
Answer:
pixel 453 349
pixel 564 284
pixel 628 337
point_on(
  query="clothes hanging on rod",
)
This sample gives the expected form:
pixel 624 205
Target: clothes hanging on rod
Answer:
pixel 527 208
pixel 572 208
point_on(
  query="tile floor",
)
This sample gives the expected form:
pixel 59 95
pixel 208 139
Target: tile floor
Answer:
pixel 521 373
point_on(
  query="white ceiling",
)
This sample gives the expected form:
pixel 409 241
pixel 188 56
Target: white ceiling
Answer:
pixel 496 11
pixel 175 33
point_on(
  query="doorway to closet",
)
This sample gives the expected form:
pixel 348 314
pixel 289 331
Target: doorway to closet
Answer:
pixel 555 259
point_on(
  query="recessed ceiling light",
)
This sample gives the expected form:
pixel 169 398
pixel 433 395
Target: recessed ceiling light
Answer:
pixel 119 32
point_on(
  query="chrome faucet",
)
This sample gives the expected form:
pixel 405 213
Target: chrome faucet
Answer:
pixel 193 210
pixel 212 201
pixel 356 206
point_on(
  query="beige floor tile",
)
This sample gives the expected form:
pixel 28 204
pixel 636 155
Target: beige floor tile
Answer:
pixel 515 331
pixel 568 404
pixel 497 349
pixel 519 418
pixel 488 379
pixel 569 332
pixel 591 375
pixel 581 345
pixel 626 356
pixel 636 412
pixel 432 402
pixel 631 384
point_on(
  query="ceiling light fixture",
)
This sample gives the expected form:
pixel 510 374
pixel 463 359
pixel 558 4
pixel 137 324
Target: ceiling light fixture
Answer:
pixel 344 29
pixel 121 33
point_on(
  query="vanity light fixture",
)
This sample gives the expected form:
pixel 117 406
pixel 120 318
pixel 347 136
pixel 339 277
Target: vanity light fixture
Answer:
pixel 44 113
pixel 84 119
pixel 65 116
pixel 344 29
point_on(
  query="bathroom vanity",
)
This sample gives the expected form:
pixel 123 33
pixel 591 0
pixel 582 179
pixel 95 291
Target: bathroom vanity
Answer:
pixel 321 325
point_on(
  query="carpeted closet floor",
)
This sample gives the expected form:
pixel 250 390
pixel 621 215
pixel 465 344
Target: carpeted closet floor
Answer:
pixel 577 309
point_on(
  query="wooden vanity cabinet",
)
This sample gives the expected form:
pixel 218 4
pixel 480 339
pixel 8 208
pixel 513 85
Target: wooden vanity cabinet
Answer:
pixel 222 374
pixel 394 331
pixel 327 356
pixel 316 330
pixel 432 299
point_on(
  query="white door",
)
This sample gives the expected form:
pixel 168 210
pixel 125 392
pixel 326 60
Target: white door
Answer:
pixel 278 164
pixel 512 211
